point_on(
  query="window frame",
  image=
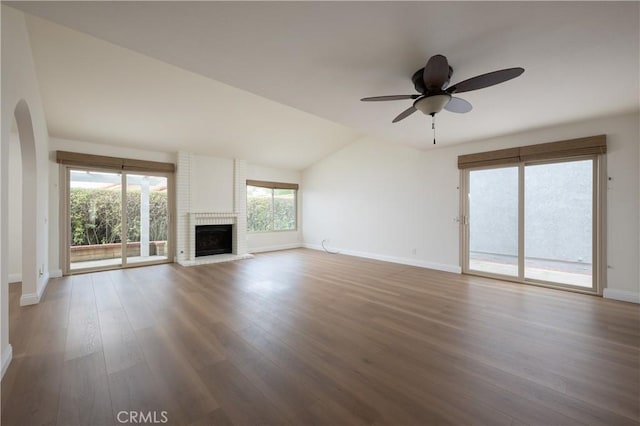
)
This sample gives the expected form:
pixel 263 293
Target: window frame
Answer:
pixel 65 218
pixel 598 226
pixel 273 186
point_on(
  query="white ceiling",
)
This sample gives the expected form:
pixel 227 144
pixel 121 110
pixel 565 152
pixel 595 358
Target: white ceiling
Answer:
pixel 99 92
pixel 581 61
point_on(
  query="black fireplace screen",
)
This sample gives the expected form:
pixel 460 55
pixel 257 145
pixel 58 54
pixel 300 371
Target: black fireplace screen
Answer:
pixel 214 239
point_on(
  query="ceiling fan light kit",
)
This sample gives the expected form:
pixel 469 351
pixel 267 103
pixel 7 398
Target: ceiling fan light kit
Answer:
pixel 432 82
pixel 432 104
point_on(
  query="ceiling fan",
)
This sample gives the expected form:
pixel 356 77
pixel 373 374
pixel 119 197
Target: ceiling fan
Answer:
pixel 435 94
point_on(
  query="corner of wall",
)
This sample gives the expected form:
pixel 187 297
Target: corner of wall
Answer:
pixel 183 204
pixel 240 204
pixel 621 295
pixel 7 356
pixel 34 298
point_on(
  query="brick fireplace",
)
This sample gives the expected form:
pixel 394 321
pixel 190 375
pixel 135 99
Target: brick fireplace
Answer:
pixel 188 219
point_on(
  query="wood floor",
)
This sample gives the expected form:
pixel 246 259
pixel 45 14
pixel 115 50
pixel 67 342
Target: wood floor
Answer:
pixel 303 337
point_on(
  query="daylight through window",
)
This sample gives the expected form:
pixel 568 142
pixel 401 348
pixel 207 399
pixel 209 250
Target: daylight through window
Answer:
pixel 271 206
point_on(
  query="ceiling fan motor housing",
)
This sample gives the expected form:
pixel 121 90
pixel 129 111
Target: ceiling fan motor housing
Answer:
pixel 418 80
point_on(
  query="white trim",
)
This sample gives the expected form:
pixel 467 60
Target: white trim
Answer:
pixel 623 295
pixel 216 258
pixel 56 273
pixel 15 278
pixel 7 356
pixel 29 299
pixel 34 298
pixel 275 248
pixel 456 269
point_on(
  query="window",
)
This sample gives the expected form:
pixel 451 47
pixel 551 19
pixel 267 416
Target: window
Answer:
pixel 533 214
pixel 271 206
pixel 116 212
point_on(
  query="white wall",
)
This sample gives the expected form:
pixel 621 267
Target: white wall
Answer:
pixel 379 200
pixel 56 144
pixel 20 89
pixel 211 184
pixel 15 210
pixel 268 241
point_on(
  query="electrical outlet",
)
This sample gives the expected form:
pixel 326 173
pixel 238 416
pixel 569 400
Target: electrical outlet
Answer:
pixel 414 251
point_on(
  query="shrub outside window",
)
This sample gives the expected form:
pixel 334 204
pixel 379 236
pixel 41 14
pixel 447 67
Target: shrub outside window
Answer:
pixel 270 207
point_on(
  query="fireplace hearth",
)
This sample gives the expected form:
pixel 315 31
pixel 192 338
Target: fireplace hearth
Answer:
pixel 214 239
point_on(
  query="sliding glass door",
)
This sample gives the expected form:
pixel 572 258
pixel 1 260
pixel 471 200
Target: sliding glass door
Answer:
pixel 533 222
pixel 116 219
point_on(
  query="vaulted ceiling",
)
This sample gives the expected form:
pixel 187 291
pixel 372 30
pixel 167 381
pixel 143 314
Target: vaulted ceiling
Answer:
pixel 279 83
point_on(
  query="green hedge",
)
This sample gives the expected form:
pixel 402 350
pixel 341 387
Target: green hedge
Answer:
pixel 95 216
pixel 263 216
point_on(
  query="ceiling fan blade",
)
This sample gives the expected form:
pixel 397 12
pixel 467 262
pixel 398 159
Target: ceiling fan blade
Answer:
pixel 390 98
pixel 485 80
pixel 458 105
pixel 404 114
pixel 436 72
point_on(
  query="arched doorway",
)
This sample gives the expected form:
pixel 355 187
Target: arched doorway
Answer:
pixel 26 137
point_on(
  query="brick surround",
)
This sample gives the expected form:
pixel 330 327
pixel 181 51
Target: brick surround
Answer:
pixel 188 219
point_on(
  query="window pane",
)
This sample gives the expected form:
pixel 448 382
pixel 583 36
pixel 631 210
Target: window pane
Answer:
pixel 559 222
pixel 284 209
pixel 147 218
pixel 493 221
pixel 95 200
pixel 259 209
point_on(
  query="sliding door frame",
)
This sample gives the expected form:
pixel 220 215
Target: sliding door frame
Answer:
pixel 65 219
pixel 598 224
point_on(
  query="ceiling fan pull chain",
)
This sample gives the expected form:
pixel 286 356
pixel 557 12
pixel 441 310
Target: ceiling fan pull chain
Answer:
pixel 433 126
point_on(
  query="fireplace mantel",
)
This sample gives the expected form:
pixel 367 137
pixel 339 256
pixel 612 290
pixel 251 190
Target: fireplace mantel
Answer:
pixel 212 218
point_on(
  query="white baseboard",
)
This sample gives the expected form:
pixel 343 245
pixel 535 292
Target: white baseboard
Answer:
pixel 29 299
pixel 56 273
pixel 7 356
pixel 623 295
pixel 401 260
pixel 34 298
pixel 15 278
pixel 275 248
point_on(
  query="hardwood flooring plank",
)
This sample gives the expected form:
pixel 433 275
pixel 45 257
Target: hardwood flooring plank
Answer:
pixel 243 403
pixel 215 418
pixel 137 390
pixel 84 394
pixel 83 333
pixel 196 345
pixel 121 349
pixel 173 372
pixel 291 399
pixel 106 296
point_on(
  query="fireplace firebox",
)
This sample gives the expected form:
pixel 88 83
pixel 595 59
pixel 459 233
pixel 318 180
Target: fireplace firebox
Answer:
pixel 214 239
